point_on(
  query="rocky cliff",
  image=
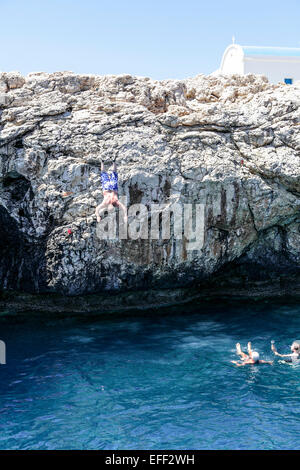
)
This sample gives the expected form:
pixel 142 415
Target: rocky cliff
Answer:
pixel 230 142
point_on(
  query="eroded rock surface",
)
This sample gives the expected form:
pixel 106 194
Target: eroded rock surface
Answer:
pixel 231 143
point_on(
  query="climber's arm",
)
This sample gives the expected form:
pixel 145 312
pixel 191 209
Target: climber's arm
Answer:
pixel 123 208
pixel 99 209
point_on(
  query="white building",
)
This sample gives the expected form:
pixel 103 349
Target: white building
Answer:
pixel 279 64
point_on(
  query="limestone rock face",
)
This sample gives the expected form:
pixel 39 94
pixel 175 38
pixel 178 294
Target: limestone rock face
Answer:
pixel 229 143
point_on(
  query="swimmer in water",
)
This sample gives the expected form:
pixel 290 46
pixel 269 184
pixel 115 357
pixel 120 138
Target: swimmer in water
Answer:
pixel 247 359
pixel 294 356
pixel 110 192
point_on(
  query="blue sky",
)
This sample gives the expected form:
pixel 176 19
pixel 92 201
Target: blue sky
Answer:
pixel 158 39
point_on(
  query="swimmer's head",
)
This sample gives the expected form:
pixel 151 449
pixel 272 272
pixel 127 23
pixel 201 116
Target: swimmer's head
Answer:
pixel 296 346
pixel 255 356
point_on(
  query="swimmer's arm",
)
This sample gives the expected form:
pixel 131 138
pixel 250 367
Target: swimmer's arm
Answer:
pixel 265 362
pixel 278 354
pixel 239 364
pixel 273 347
pixel 282 355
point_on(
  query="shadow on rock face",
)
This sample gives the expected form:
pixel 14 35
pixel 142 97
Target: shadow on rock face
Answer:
pixel 16 185
pixel 22 262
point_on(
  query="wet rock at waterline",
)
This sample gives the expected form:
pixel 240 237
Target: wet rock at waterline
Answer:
pixel 229 143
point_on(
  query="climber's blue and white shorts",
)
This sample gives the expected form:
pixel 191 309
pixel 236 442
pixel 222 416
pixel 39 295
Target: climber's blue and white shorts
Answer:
pixel 109 181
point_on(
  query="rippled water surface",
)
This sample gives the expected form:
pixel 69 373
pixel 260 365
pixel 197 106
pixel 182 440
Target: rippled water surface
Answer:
pixel 154 382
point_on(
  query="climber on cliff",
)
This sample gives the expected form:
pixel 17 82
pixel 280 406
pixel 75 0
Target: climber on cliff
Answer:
pixel 251 358
pixel 110 192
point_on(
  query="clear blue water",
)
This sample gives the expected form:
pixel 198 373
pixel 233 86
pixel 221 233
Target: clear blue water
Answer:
pixel 154 382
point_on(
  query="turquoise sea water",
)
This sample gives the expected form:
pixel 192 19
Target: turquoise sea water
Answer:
pixel 151 382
